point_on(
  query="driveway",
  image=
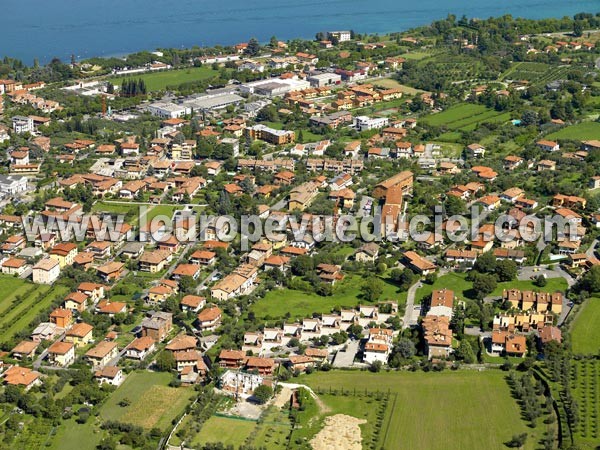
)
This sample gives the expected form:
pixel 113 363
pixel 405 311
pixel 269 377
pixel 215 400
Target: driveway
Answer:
pixel 346 358
pixel 412 312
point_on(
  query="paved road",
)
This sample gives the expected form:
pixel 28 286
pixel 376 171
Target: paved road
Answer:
pixel 204 282
pixel 409 314
pixel 346 358
pixel 591 252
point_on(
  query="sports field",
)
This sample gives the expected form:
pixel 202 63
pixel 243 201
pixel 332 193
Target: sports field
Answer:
pixel 437 411
pixel 585 330
pixel 152 403
pixel 578 132
pixel 160 80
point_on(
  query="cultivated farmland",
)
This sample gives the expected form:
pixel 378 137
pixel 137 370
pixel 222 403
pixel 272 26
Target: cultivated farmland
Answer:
pixel 585 376
pixel 465 117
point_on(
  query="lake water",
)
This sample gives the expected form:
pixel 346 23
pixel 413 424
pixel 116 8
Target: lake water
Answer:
pixel 49 28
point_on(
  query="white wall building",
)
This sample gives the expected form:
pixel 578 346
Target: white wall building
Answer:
pixel 364 123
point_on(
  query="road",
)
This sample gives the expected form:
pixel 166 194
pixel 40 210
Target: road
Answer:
pixel 409 314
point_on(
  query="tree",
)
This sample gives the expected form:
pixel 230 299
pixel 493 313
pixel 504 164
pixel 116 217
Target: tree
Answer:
pixel 540 281
pixel 506 270
pixel 517 441
pixel 406 348
pixel 578 29
pixel 263 393
pixel 484 284
pixel 465 353
pixel 486 263
pixel 372 289
pixel 375 366
pixel 455 206
pixel 253 48
pixel 273 42
pixel 165 361
pixel 529 117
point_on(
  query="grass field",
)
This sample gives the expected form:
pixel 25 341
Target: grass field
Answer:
pixel 160 80
pixel 152 402
pixel 580 131
pixel 73 436
pixel 219 429
pixel 465 117
pixel 585 330
pixel 277 303
pixel 432 411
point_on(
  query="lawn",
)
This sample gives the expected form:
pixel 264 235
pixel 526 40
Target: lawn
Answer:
pixel 585 330
pixel 219 429
pixel 73 436
pixel 552 285
pixel 454 280
pixel 456 405
pixel 347 294
pixel 580 131
pixel 152 402
pixel 160 80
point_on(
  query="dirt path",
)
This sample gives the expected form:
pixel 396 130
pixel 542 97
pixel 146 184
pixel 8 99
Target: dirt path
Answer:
pixel 341 432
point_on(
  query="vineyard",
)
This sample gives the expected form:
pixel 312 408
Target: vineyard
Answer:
pixel 585 375
pixel 536 73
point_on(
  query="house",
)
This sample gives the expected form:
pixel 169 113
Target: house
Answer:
pixel 378 346
pixel 240 282
pixel 467 257
pixel 22 376
pixel 112 375
pixel 80 334
pixel 14 266
pixel 475 150
pixel 511 195
pixel 441 303
pixel 330 273
pixel 111 308
pixel 546 164
pixel 24 350
pixel 209 319
pixel 437 336
pixel 110 271
pixel 203 257
pixel 548 146
pixel 76 301
pixel 62 318
pixel 61 354
pixel 140 348
pixel 182 343
pixel 419 264
pixel 45 331
pixel 193 303
pixel 102 354
pixel 231 359
pixel 276 262
pixel 157 326
pixel 187 270
pixel 403 181
pixel 159 294
pixel 100 249
pixel 94 291
pixel 64 253
pixel 154 261
pixel 509 344
pixel 260 365
pixel 550 333
pixel 46 271
pixel 489 202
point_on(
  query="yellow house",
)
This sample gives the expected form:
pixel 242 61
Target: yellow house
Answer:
pixel 80 334
pixel 64 253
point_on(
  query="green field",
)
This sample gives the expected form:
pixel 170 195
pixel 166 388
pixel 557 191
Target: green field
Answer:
pixel 278 302
pixel 578 132
pixel 16 316
pixel 465 117
pixel 73 436
pixel 160 80
pixel 152 402
pixel 585 330
pixel 437 411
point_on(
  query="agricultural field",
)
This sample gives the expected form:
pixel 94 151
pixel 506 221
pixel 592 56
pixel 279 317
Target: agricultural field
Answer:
pixel 465 117
pixel 456 402
pixel 142 389
pixel 279 302
pixel 160 80
pixel 578 132
pixel 585 377
pixel 21 302
pixel 388 83
pixel 534 72
pixel 585 332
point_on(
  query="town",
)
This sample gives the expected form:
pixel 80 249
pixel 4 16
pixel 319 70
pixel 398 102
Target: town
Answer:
pixel 454 144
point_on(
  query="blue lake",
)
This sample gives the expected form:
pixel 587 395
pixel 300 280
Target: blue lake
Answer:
pixel 49 28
